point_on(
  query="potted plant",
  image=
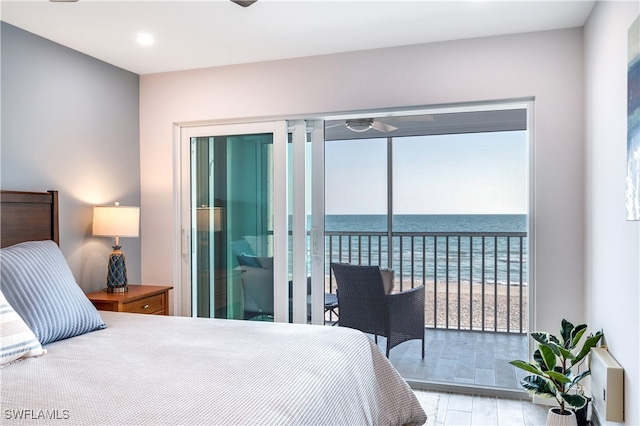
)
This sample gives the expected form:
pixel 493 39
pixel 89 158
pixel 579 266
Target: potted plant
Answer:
pixel 554 368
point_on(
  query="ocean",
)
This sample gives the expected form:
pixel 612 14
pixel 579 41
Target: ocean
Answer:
pixel 467 248
pixel 429 223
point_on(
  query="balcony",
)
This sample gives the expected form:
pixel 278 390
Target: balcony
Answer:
pixel 476 307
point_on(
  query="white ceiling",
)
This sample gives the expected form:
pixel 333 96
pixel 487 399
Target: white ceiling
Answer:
pixel 199 34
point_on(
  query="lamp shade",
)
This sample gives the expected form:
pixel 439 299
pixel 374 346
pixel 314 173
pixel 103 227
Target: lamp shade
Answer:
pixel 116 221
pixel 209 219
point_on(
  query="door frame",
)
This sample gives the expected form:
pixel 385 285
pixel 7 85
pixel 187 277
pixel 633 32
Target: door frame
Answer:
pixel 303 192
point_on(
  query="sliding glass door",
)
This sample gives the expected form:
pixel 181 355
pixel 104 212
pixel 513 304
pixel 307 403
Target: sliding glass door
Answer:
pixel 246 222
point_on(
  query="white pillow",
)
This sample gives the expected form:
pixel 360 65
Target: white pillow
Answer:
pixel 39 285
pixel 16 338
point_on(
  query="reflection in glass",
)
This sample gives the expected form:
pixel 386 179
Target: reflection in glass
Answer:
pixel 232 217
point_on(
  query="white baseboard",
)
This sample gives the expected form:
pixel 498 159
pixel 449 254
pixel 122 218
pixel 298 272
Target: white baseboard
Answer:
pixel 541 400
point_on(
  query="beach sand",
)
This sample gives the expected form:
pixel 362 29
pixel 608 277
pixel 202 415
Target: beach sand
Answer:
pixel 463 308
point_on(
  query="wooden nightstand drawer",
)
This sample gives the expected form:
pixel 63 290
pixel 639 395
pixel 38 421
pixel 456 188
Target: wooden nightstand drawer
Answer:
pixel 148 305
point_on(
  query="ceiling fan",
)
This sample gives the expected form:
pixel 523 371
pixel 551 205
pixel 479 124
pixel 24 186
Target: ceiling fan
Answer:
pixel 360 125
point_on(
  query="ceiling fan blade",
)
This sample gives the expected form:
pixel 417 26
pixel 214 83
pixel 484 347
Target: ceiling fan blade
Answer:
pixel 244 3
pixel 334 125
pixel 383 127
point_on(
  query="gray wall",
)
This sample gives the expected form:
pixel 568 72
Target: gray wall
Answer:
pixel 71 123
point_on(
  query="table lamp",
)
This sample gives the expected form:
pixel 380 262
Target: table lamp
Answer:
pixel 116 221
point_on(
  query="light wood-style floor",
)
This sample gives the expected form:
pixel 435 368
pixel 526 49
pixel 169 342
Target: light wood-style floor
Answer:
pixel 459 409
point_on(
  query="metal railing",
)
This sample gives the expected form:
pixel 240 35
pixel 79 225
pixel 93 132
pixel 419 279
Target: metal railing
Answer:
pixel 473 280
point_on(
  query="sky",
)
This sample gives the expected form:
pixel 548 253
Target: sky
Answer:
pixel 479 173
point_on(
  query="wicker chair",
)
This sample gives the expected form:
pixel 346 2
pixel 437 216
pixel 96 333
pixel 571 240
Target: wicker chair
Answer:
pixel 364 306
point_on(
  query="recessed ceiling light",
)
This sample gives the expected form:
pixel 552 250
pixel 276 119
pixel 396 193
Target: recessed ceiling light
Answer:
pixel 144 39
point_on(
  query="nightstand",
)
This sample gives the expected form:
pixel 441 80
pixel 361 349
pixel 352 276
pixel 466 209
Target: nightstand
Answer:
pixel 140 299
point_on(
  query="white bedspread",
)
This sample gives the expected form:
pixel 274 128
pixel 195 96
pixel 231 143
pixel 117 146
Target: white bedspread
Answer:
pixel 144 369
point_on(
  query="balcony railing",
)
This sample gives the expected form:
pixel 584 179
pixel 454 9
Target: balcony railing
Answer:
pixel 473 280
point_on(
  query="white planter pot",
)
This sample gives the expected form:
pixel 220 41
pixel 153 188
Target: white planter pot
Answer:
pixel 556 419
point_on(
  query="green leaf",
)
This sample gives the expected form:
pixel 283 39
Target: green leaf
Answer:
pixel 555 348
pixel 540 337
pixel 576 335
pixel 537 358
pixel 538 385
pixel 565 353
pixel 526 367
pixel 558 377
pixel 575 401
pixel 588 344
pixel 548 356
pixel 579 377
pixel 544 338
pixel 565 331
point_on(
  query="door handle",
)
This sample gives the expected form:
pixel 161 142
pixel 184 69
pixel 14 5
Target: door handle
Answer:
pixel 185 244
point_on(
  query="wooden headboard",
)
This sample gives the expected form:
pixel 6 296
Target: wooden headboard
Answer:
pixel 28 216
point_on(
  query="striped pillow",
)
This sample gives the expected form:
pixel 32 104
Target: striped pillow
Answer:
pixel 16 339
pixel 39 285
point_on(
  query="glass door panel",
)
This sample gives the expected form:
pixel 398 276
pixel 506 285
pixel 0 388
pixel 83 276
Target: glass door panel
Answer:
pixel 232 208
pixel 444 199
pixel 229 211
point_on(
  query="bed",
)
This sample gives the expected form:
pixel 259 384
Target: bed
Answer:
pixel 146 369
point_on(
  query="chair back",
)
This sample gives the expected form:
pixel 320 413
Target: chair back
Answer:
pixel 361 298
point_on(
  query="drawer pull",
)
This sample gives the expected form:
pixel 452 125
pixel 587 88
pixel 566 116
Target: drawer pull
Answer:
pixel 146 306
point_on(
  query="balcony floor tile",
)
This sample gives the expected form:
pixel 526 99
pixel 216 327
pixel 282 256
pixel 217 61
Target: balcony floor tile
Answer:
pixel 462 358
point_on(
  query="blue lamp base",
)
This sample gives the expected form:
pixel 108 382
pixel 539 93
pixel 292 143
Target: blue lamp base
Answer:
pixel 117 272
